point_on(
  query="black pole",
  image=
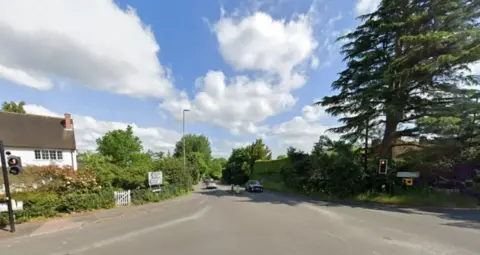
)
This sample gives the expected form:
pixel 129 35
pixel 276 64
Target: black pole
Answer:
pixel 8 195
pixel 365 166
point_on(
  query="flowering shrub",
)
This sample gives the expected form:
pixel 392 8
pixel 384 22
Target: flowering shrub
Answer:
pixel 65 180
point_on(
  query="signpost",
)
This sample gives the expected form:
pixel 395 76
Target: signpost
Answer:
pixel 155 179
pixel 8 195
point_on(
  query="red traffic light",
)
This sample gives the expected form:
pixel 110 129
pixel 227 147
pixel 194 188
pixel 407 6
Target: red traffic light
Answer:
pixel 15 165
pixel 12 161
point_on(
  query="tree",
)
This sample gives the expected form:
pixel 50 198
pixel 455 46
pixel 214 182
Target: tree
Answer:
pixel 404 63
pixel 256 151
pixel 197 165
pixel 217 167
pixel 281 156
pixel 237 167
pixel 194 143
pixel 14 107
pixel 120 145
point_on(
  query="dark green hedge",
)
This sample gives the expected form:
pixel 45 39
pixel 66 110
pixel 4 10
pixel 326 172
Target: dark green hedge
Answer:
pixel 270 166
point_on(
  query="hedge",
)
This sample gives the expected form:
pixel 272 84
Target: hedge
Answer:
pixel 47 205
pixel 270 166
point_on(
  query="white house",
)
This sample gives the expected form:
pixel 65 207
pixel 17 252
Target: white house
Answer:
pixel 39 140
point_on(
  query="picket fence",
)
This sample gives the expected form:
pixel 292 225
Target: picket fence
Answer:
pixel 122 198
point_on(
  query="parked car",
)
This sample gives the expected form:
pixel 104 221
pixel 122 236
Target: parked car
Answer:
pixel 253 186
pixel 211 185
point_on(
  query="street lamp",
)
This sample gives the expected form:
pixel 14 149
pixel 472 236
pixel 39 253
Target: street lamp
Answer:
pixel 183 137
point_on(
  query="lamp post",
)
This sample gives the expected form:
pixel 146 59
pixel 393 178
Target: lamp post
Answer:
pixel 183 138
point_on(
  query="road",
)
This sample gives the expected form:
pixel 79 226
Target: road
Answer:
pixel 219 222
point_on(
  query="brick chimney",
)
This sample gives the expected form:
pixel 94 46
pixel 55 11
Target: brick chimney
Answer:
pixel 68 121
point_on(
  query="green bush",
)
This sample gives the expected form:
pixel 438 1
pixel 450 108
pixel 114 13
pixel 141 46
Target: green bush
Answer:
pixel 86 202
pixel 144 196
pixel 43 204
pixel 270 166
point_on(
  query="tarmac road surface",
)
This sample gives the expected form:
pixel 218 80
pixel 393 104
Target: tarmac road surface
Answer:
pixel 220 222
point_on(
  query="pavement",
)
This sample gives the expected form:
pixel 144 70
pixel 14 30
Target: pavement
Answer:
pixel 221 222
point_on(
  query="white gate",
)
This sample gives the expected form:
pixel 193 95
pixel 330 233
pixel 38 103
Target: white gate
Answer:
pixel 122 198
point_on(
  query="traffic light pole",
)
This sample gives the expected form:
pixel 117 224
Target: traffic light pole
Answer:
pixel 8 195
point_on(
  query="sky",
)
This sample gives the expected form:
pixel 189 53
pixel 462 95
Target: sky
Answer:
pixel 244 69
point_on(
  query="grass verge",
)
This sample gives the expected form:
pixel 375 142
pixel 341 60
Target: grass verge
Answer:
pixel 414 198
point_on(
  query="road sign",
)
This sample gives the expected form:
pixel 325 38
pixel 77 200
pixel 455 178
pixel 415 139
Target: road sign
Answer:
pixel 408 174
pixel 155 178
pixel 16 206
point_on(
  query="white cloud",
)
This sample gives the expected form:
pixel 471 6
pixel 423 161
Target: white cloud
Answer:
pixel 280 51
pixel 88 129
pixel 475 68
pixel 301 131
pixel 236 104
pixel 366 6
pixel 90 42
pixel 258 42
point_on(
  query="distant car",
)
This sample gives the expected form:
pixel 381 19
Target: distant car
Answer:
pixel 253 186
pixel 211 185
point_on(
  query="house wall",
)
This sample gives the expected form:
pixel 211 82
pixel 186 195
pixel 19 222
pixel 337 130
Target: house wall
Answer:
pixel 28 157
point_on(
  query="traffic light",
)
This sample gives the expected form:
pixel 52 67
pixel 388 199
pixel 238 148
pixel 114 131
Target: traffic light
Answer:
pixel 15 165
pixel 383 166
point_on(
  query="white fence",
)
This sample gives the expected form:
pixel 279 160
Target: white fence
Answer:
pixel 122 198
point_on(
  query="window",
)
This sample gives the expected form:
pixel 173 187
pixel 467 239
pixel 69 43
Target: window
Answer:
pixel 49 154
pixel 53 154
pixel 44 154
pixel 37 154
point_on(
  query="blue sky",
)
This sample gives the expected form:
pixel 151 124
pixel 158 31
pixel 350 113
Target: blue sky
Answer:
pixel 99 61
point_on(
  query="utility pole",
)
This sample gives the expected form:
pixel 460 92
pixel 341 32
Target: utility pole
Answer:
pixel 183 138
pixel 8 195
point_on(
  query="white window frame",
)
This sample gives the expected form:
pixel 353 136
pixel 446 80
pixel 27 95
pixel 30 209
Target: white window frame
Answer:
pixel 39 154
pixel 46 154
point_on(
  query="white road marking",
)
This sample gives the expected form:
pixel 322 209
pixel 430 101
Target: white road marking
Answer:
pixel 326 212
pixel 132 234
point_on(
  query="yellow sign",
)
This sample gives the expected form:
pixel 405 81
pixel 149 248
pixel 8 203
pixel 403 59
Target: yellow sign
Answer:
pixel 408 181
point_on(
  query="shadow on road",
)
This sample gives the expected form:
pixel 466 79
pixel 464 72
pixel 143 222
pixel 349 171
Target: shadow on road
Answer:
pixel 463 218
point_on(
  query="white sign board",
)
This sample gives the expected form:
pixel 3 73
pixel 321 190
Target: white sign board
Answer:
pixel 17 206
pixel 408 174
pixel 155 178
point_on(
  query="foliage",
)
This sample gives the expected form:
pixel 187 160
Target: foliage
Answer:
pixel 270 166
pixel 106 173
pixel 44 204
pixel 64 180
pixel 335 173
pixel 120 145
pixel 404 63
pixel 237 168
pixel 197 165
pixel 174 173
pixel 216 168
pixel 257 151
pixel 144 196
pixel 13 107
pixel 194 143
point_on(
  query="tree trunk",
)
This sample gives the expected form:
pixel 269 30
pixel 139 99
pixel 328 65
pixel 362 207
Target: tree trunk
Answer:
pixel 388 136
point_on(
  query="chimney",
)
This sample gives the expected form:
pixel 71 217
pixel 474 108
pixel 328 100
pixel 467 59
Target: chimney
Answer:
pixel 68 121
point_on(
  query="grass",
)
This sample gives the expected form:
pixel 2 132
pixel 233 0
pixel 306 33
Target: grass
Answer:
pixel 274 182
pixel 419 198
